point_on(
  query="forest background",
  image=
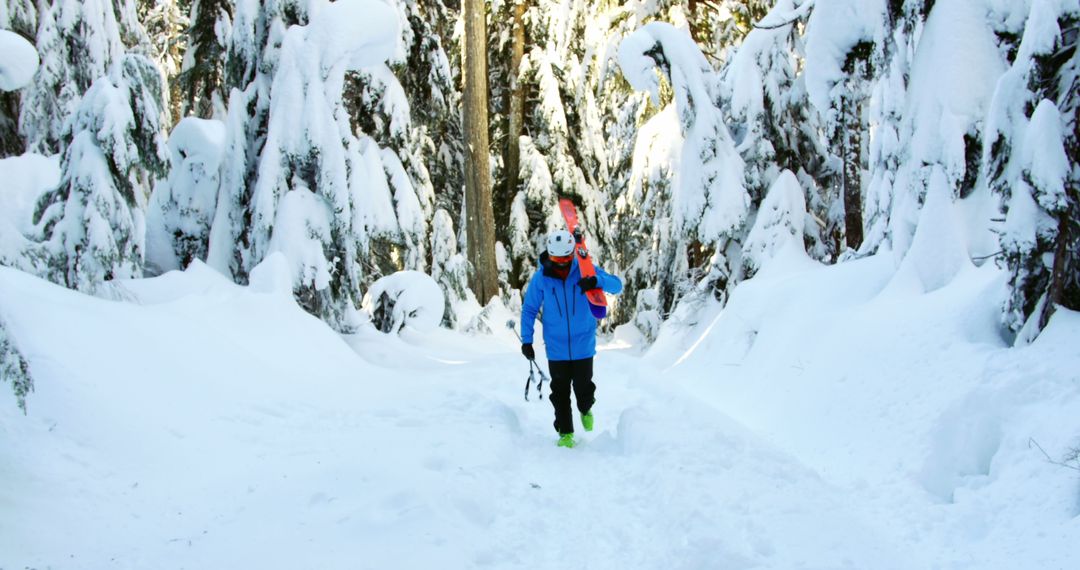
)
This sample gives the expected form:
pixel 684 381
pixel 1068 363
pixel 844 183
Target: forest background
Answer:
pixel 699 138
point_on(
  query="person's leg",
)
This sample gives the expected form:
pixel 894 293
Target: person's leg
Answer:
pixel 584 388
pixel 561 371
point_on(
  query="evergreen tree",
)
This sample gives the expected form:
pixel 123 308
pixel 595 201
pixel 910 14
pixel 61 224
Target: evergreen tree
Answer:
pixel 93 223
pixel 78 41
pixel 699 217
pixel 165 22
pixel 201 81
pixel 1028 164
pixel 294 178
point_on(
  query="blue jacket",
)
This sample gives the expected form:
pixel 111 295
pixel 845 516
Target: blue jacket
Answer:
pixel 569 327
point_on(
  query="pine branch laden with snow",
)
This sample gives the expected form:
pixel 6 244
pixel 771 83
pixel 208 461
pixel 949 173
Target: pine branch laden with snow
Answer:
pixel 18 63
pixel 94 222
pixel 202 70
pixel 14 368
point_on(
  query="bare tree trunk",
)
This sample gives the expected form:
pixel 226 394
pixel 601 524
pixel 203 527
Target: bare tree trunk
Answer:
pixel 1061 274
pixel 480 219
pixel 517 101
pixel 852 153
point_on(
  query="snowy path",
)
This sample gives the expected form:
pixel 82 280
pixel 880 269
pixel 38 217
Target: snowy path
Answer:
pixel 433 465
pixel 216 426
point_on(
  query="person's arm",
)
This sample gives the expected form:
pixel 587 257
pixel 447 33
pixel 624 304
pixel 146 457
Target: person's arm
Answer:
pixel 534 299
pixel 608 282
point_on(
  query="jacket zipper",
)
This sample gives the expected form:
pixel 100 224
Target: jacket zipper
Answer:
pixel 566 298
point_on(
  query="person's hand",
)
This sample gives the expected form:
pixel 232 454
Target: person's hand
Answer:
pixel 587 283
pixel 527 350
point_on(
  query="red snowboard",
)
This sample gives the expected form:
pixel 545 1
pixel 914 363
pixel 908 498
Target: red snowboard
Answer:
pixel 597 301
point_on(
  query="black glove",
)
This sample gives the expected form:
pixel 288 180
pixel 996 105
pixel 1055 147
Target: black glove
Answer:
pixel 588 283
pixel 528 351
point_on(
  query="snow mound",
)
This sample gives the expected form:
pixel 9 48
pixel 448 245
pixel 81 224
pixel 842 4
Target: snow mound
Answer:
pixel 201 140
pixel 18 61
pixel 272 276
pixel 405 298
pixel 25 178
pixel 938 252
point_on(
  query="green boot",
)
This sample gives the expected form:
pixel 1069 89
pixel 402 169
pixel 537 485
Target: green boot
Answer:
pixel 586 420
pixel 566 440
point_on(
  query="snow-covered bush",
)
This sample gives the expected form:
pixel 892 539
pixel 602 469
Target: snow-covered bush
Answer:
pixel 405 298
pixel 779 223
pixel 182 208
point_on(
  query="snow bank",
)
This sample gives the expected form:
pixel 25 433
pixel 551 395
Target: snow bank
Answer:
pixel 938 251
pixel 908 398
pixel 18 61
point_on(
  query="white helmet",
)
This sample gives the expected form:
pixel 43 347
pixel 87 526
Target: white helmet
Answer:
pixel 560 243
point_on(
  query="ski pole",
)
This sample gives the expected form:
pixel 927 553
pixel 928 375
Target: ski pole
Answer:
pixel 533 366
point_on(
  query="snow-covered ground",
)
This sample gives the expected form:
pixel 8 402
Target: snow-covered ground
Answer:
pixel 200 424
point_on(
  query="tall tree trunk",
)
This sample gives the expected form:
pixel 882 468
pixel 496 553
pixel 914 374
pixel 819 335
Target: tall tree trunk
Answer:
pixel 852 153
pixel 480 219
pixel 515 118
pixel 516 112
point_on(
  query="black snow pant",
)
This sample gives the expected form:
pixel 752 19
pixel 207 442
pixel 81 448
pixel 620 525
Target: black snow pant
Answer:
pixel 565 373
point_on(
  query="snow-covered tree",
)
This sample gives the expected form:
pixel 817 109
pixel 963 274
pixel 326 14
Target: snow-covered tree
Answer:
pixel 1028 165
pixel 94 222
pixel 699 218
pixel 78 41
pixel 181 210
pixel 202 72
pixel 165 23
pixel 294 177
pixel 450 269
pixel 410 107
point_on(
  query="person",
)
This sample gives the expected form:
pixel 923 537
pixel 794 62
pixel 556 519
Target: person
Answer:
pixel 557 293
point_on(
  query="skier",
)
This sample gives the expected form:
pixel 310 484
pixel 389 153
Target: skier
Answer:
pixel 569 329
